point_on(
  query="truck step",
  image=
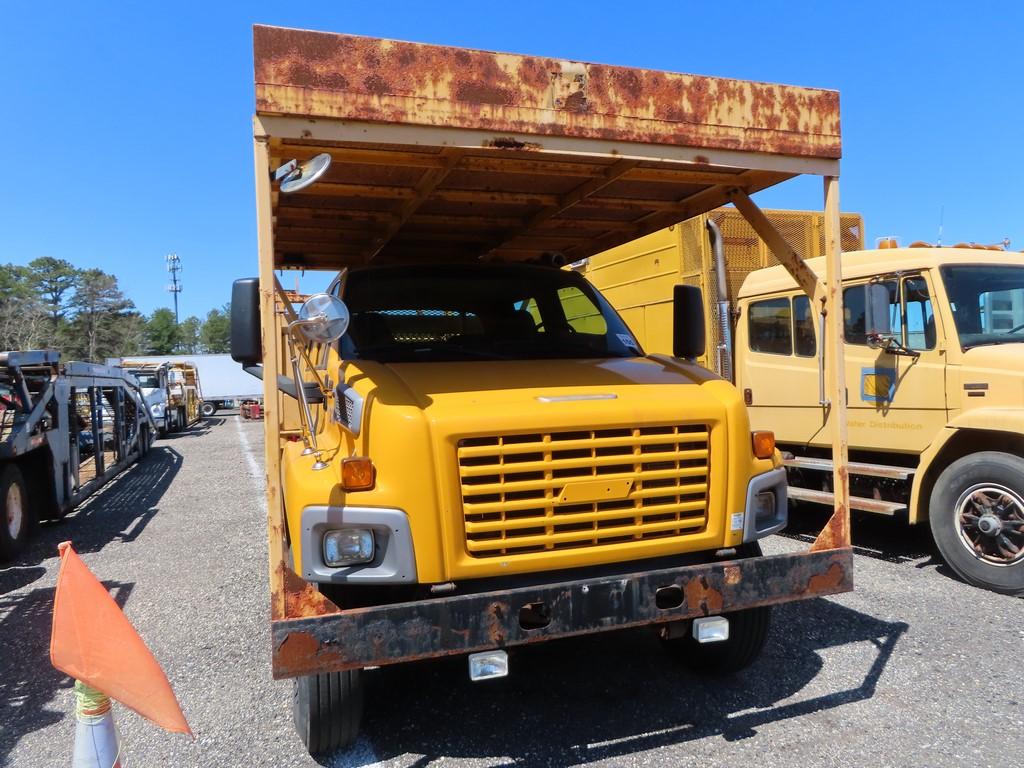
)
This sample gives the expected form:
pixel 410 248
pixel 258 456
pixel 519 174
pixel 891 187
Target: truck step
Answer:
pixel 856 468
pixel 856 502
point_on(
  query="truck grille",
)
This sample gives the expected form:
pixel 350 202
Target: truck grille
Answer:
pixel 560 490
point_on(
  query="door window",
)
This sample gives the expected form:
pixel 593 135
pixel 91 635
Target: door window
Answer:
pixel 920 319
pixel 769 326
pixel 803 327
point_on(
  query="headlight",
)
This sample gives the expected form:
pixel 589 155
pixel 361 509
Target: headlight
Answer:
pixel 764 506
pixel 349 546
pixel 157 409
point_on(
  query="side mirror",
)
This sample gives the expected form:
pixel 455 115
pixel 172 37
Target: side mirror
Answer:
pixel 323 318
pixel 246 335
pixel 687 322
pixel 877 325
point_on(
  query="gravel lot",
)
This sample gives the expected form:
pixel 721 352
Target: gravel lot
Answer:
pixel 914 668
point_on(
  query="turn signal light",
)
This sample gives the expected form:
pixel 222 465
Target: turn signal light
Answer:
pixel 357 473
pixel 763 443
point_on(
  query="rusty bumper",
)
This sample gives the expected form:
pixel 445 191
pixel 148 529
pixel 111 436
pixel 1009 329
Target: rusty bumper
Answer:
pixel 461 624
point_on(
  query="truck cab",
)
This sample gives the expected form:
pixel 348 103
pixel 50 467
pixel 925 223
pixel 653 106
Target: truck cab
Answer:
pixel 935 401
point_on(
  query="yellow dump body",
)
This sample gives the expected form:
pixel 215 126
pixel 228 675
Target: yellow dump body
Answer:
pixel 638 277
pixel 504 470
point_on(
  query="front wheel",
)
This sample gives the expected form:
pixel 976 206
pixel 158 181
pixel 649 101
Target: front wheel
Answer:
pixel 328 709
pixel 748 633
pixel 15 513
pixel 977 520
pixel 208 409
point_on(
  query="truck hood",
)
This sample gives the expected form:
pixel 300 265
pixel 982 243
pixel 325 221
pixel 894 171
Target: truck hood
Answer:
pixel 557 393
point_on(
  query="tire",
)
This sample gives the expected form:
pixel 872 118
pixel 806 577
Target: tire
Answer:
pixel 976 514
pixel 748 633
pixel 16 519
pixel 208 409
pixel 328 709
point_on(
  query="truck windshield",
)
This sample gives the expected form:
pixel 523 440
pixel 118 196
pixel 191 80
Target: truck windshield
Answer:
pixel 147 380
pixel 479 312
pixel 987 302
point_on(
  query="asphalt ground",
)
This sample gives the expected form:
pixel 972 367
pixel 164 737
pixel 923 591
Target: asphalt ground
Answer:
pixel 912 669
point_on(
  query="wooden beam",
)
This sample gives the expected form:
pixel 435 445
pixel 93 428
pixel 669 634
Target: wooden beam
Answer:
pixel 783 251
pixel 566 201
pixel 836 532
pixel 428 182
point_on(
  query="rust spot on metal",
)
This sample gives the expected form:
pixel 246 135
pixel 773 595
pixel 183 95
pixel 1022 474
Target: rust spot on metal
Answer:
pixel 494 621
pixel 732 575
pixel 482 93
pixel 826 582
pixel 702 598
pixel 302 599
pixel 509 142
pixel 317 74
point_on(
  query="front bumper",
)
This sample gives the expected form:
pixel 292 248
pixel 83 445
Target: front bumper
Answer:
pixel 333 639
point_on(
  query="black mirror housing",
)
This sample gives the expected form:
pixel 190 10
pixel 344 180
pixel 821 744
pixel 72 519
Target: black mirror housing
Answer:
pixel 688 331
pixel 246 334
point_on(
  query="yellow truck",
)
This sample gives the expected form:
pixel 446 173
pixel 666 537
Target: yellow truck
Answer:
pixel 935 392
pixel 467 449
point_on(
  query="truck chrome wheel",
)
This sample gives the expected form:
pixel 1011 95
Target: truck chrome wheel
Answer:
pixel 990 519
pixel 14 506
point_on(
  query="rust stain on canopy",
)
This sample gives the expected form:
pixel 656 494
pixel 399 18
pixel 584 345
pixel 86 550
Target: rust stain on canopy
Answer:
pixel 324 75
pixel 447 154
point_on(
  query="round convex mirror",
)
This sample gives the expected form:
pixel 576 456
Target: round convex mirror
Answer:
pixel 325 318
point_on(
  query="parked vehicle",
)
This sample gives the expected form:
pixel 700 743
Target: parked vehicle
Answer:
pixel 936 404
pixel 172 391
pixel 65 430
pixel 935 382
pixel 467 449
pixel 224 385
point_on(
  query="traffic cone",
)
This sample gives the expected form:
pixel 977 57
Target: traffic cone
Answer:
pixel 96 741
pixel 94 643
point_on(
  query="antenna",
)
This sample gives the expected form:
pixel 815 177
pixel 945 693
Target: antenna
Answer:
pixel 174 267
pixel 942 215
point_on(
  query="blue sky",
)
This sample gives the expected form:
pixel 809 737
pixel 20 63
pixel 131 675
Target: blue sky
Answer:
pixel 128 130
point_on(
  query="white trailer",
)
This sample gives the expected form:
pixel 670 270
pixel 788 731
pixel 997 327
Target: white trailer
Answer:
pixel 225 384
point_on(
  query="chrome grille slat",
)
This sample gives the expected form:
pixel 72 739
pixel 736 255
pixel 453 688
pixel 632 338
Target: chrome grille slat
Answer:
pixel 511 486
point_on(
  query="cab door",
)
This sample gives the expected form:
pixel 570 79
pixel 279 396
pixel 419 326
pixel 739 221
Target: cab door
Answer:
pixel 896 400
pixel 777 367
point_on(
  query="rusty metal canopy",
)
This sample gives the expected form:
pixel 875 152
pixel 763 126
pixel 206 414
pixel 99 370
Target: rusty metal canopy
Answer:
pixel 451 154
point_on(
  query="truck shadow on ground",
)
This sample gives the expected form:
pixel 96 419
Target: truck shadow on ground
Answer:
pixel 27 681
pixel 119 511
pixel 605 696
pixel 200 428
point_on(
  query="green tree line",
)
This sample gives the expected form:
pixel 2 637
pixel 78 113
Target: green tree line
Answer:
pixel 50 304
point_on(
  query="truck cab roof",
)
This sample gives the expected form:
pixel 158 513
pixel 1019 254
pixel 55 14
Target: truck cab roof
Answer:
pixel 867 263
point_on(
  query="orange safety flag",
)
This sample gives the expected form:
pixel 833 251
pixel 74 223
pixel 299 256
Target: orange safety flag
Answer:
pixel 93 642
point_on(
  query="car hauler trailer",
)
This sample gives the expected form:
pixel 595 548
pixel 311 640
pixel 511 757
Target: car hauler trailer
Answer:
pixel 456 462
pixel 65 430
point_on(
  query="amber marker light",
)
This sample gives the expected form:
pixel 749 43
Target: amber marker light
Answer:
pixel 764 444
pixel 357 473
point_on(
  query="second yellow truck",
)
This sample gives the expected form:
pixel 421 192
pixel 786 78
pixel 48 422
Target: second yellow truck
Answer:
pixel 935 388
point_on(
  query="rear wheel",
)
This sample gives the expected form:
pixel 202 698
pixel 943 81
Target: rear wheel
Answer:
pixel 15 513
pixel 977 520
pixel 208 409
pixel 328 709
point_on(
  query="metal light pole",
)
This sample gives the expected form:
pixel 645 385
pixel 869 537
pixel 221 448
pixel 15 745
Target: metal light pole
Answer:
pixel 174 267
